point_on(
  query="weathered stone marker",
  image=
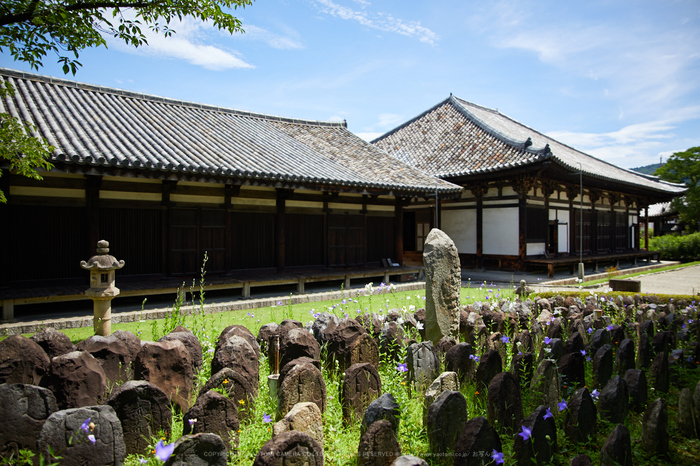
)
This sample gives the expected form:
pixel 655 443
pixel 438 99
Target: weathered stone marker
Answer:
pixel 443 279
pixel 102 289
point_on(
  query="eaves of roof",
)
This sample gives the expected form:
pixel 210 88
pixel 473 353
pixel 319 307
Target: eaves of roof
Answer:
pixel 110 129
pixel 519 146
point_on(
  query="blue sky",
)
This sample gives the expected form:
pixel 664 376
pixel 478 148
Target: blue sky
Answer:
pixel 619 80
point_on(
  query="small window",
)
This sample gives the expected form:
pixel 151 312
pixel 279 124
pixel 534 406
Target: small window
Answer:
pixel 422 230
pixel 104 278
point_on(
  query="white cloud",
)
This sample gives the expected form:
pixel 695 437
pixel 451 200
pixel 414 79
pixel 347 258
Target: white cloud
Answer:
pixel 187 43
pixel 274 40
pixel 380 21
pixel 633 145
pixel 642 62
pixel 390 120
pixel 368 136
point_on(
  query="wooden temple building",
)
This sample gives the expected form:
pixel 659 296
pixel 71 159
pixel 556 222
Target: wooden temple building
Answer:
pixel 528 200
pixel 270 200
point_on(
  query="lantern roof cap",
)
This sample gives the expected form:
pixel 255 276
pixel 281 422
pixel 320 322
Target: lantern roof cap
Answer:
pixel 102 261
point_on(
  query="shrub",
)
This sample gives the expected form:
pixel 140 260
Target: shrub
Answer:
pixel 678 248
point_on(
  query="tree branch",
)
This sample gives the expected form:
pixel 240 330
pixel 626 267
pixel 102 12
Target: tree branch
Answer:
pixel 32 12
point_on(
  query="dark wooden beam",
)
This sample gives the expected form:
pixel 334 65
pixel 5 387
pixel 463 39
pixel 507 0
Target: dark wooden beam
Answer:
pixel 398 230
pixel 168 186
pixel 92 208
pixel 280 242
pixel 479 190
pixel 571 192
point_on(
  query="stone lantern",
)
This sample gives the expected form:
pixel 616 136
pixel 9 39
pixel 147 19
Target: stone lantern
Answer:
pixel 102 289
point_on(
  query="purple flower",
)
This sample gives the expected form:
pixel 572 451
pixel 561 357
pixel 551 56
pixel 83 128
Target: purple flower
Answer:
pixel 588 358
pixel 595 393
pixel 279 303
pixel 562 405
pixel 92 438
pixel 143 460
pixel 505 339
pixel 474 357
pixel 345 301
pixel 85 425
pixel 267 418
pixel 497 457
pixel 163 452
pixel 547 340
pixel 609 328
pixel 583 352
pixel 403 367
pixel 526 433
pixel 548 414
pixel 590 330
pixel 192 421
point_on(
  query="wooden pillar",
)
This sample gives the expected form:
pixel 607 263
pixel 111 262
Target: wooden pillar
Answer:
pixel 230 191
pixel 522 187
pixel 547 190
pixel 628 202
pixel 279 232
pixel 646 227
pixel 326 199
pixel 280 244
pixel 637 231
pixel 398 230
pixel 571 192
pixel 614 198
pixel 168 186
pixel 594 196
pixel 479 190
pixel 92 208
pixel 5 233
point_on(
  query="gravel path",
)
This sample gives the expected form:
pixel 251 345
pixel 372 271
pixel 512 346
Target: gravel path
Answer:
pixel 685 281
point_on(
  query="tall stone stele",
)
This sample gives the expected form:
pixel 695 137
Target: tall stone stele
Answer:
pixel 443 279
pixel 102 271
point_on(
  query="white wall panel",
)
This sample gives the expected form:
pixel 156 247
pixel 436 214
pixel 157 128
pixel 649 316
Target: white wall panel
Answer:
pixel 460 225
pixel 535 249
pixel 501 231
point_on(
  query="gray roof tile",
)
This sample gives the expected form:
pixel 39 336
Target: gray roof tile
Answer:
pixel 457 138
pixel 104 127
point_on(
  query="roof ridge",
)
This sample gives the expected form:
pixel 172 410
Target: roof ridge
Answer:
pixel 525 145
pixel 155 98
pixel 403 125
pixel 628 170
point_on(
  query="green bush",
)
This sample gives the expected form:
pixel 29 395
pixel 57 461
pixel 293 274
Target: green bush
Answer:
pixel 677 248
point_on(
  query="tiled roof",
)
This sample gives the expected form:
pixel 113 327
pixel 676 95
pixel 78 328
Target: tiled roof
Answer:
pixel 457 138
pixel 660 209
pixel 103 127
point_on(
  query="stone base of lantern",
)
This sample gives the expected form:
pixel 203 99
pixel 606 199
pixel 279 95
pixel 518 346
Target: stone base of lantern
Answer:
pixel 102 310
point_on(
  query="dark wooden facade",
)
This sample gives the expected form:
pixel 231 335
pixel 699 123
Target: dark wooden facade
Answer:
pixel 163 229
pixel 508 223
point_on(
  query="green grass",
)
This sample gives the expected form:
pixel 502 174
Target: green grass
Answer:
pixel 341 440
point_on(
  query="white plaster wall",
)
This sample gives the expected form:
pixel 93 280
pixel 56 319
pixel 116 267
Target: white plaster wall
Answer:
pixel 460 225
pixel 501 231
pixel 564 230
pixel 535 249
